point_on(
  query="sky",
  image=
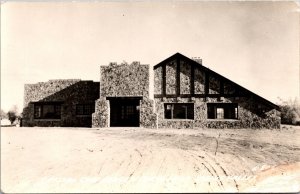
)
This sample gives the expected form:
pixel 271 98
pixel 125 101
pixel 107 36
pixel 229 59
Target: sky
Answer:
pixel 255 44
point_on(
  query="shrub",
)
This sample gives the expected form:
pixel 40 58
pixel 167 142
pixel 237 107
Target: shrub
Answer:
pixel 290 111
pixel 3 115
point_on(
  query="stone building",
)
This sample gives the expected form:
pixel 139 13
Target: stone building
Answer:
pixel 67 103
pixel 186 95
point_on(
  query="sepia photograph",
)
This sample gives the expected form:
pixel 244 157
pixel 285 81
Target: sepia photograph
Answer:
pixel 150 96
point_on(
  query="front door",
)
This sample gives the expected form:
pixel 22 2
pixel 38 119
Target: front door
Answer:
pixel 124 112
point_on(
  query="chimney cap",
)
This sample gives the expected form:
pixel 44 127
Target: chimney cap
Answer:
pixel 197 59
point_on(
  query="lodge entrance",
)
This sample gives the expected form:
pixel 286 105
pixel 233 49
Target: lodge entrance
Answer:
pixel 124 111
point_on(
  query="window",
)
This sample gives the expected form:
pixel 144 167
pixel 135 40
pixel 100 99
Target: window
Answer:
pixel 48 110
pixel 85 109
pixel 222 111
pixel 179 111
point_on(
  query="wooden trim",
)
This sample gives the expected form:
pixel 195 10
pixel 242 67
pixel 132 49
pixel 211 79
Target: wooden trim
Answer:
pixel 178 76
pixel 206 92
pixel 221 86
pixel 192 62
pixel 192 83
pixel 120 98
pixel 164 80
pixel 221 89
pixel 197 95
pixel 169 59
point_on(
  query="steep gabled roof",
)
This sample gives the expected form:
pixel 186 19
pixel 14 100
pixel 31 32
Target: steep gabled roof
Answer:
pixel 192 62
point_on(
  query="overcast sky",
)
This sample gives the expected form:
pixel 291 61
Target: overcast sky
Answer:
pixel 255 44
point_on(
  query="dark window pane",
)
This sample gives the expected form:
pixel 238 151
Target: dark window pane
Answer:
pixel 85 109
pixel 211 112
pixel 57 111
pixel 179 111
pixel 47 110
pixel 37 111
pixel 222 110
pixel 168 111
pixel 79 109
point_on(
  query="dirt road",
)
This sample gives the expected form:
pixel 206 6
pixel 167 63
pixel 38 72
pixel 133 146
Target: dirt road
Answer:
pixel 145 160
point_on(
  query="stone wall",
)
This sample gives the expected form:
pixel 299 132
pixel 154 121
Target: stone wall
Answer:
pixel 101 114
pixel 147 114
pixel 185 78
pixel 247 114
pixel 199 81
pixel 69 92
pixel 171 77
pixel 124 80
pixel 214 85
pixel 249 107
pixel 229 88
pixel 199 113
pixel 158 80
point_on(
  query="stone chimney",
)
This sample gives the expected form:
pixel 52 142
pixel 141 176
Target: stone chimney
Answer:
pixel 197 59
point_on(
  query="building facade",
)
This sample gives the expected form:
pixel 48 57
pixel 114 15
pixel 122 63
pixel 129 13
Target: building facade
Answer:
pixel 66 103
pixel 186 95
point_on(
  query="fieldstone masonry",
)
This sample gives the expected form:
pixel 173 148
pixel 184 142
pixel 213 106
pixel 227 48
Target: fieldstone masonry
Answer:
pixel 124 80
pixel 177 79
pixel 249 104
pixel 69 92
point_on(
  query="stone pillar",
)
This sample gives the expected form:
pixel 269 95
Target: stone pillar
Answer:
pixel 148 117
pixel 100 118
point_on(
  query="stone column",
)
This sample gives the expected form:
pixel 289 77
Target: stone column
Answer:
pixel 100 118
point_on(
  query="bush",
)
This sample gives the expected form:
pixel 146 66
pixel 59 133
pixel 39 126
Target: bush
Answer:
pixel 13 115
pixel 3 115
pixel 290 112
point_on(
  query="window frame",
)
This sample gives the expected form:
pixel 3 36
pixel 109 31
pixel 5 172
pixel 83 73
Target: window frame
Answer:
pixel 230 111
pixel 87 109
pixel 38 112
pixel 171 107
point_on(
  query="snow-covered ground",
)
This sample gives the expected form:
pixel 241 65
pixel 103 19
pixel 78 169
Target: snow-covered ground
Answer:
pixel 149 160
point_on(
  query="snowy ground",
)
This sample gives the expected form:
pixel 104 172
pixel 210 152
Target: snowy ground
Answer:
pixel 145 160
